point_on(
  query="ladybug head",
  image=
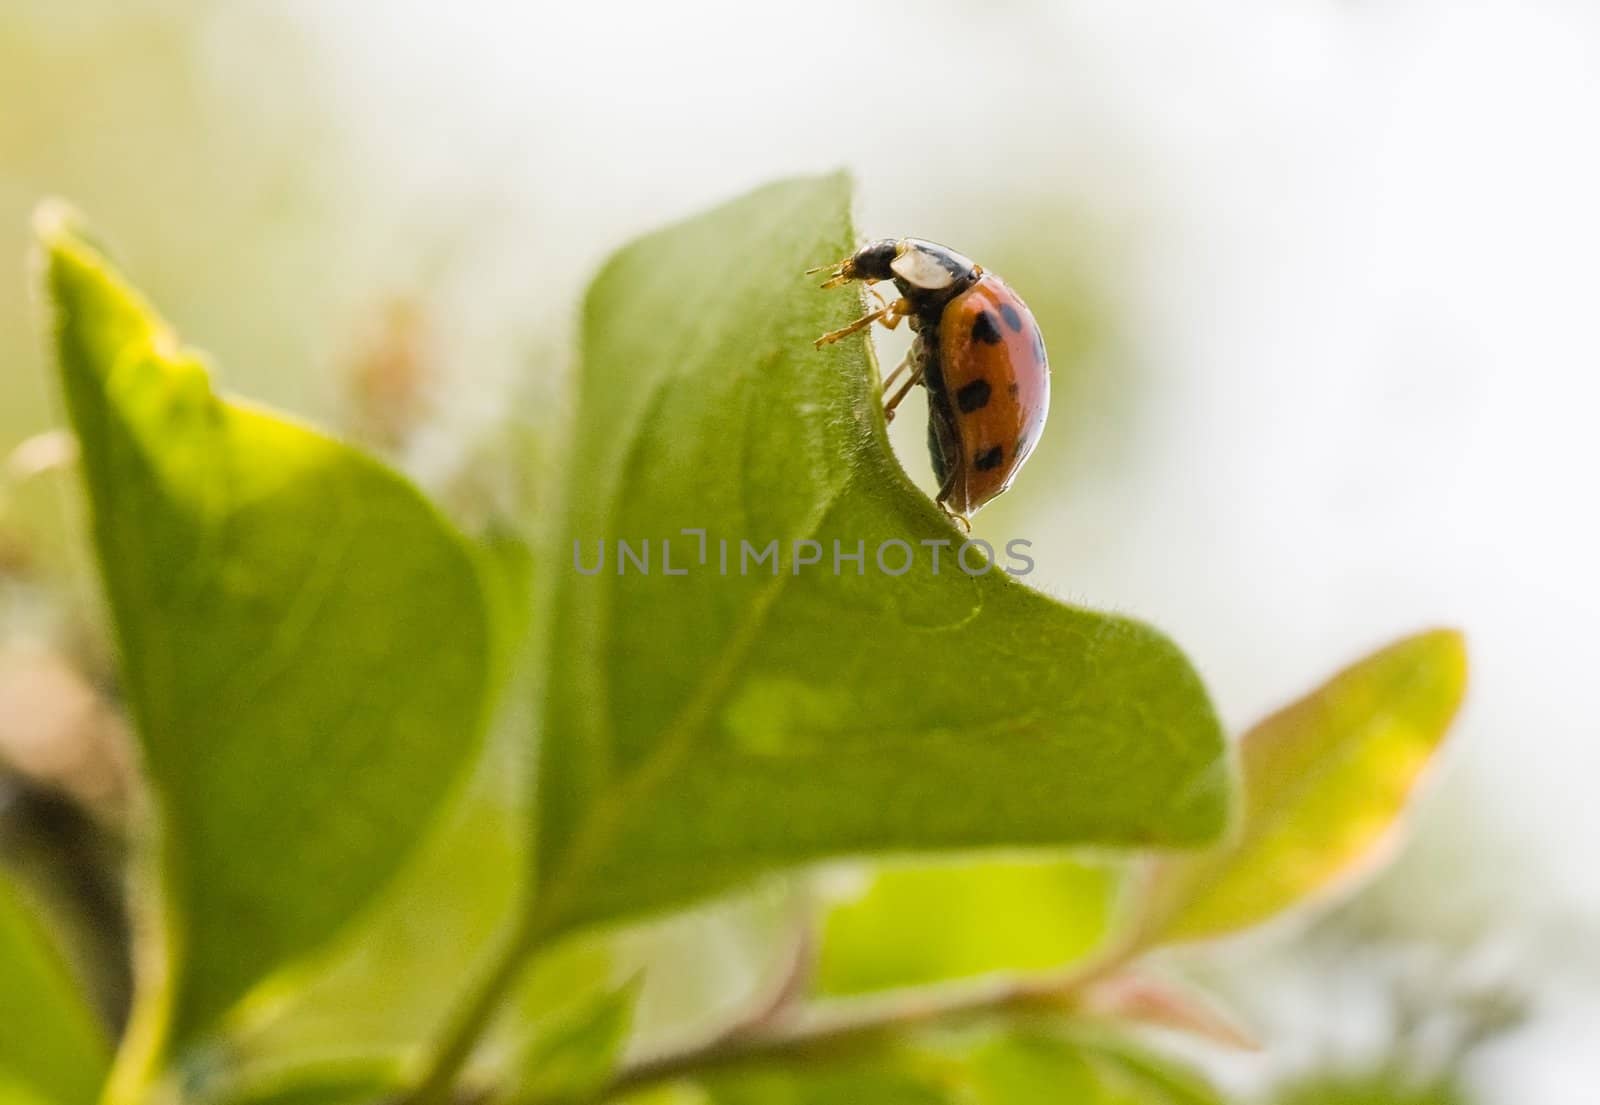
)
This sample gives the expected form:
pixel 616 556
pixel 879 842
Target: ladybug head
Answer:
pixel 923 271
pixel 873 260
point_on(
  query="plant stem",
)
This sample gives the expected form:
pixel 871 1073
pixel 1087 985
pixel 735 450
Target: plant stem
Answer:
pixel 783 1029
pixel 862 1023
pixel 476 1013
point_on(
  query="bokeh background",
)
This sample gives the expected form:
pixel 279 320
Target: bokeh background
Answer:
pixel 1318 279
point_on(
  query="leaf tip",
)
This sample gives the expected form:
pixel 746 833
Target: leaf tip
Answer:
pixel 841 178
pixel 84 291
pixel 1449 645
pixel 56 220
pixel 65 241
pixel 58 234
pixel 1438 658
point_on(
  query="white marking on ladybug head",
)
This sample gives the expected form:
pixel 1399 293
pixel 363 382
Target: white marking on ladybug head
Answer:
pixel 922 270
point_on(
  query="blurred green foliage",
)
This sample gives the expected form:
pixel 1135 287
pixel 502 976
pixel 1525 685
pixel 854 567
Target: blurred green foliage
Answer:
pixel 573 1059
pixel 1381 1087
pixel 912 925
pixel 1022 1065
pixel 52 1049
pixel 167 118
pixel 307 648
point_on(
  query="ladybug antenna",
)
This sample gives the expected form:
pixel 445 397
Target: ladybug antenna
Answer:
pixel 841 272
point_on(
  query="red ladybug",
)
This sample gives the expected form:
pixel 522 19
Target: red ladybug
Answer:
pixel 979 353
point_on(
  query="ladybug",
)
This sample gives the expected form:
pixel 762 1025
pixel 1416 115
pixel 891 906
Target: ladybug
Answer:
pixel 977 350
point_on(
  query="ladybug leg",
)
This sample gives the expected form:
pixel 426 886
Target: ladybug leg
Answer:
pixel 898 311
pixel 889 314
pixel 905 389
pixel 859 324
pixel 963 523
pixel 905 363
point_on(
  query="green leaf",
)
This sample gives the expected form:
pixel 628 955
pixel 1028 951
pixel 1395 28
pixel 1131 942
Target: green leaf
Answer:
pixel 52 1049
pixel 1325 781
pixel 995 915
pixel 702 729
pixel 354 1082
pixel 385 988
pixel 1020 1065
pixel 385 983
pixel 304 641
pixel 574 1058
pixel 1037 1067
pixel 704 969
pixel 882 1079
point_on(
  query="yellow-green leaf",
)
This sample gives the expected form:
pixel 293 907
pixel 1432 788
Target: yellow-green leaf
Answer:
pixel 994 915
pixel 1325 781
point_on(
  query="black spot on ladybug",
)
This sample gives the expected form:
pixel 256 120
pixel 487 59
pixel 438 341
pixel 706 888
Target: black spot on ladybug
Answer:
pixel 1013 320
pixel 1012 389
pixel 974 396
pixel 984 329
pixel 989 458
